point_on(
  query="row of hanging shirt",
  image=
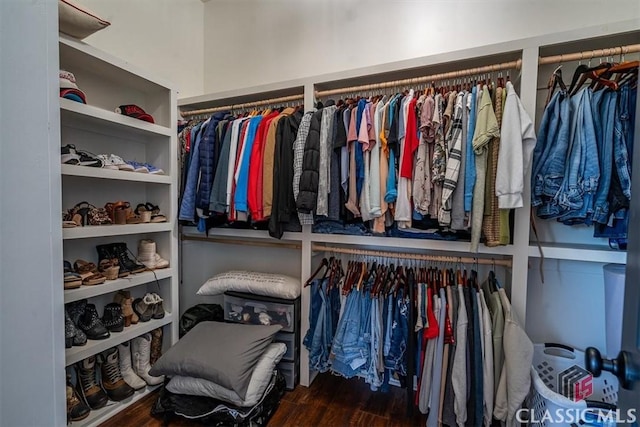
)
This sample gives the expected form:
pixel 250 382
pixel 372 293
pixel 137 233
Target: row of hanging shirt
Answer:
pixel 237 168
pixel 472 359
pixel 453 160
pixel 582 161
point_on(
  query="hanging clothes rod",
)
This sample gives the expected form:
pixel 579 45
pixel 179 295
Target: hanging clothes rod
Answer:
pixel 588 54
pixel 417 257
pixel 244 105
pixel 241 242
pixel 425 79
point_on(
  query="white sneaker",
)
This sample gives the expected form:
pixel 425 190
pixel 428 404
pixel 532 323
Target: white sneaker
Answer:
pixel 106 162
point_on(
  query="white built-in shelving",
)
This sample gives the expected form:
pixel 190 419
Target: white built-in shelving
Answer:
pixel 95 127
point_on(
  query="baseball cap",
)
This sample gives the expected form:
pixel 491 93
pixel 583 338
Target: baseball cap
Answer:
pixel 69 88
pixel 134 111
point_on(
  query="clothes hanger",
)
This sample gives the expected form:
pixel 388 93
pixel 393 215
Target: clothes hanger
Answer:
pixel 324 263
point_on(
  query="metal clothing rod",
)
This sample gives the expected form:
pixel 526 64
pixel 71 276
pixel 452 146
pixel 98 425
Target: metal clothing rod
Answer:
pixel 243 242
pixel 425 79
pixel 243 105
pixel 588 54
pixel 418 257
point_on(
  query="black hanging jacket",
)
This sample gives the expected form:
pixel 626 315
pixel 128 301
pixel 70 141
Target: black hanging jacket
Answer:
pixel 283 209
pixel 308 195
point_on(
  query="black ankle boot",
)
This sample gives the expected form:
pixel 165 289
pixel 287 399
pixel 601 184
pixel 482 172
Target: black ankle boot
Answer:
pixel 91 324
pixel 122 253
pixel 113 318
pixel 108 252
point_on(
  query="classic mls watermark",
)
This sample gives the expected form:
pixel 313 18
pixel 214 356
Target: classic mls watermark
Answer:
pixel 587 416
pixel 575 383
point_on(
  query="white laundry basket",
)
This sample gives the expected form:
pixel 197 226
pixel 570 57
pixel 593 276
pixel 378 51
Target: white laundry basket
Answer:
pixel 547 406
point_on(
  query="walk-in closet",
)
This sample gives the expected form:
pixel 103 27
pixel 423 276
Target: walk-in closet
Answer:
pixel 286 213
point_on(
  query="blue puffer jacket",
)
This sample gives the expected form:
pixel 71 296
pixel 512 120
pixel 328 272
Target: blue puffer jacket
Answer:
pixel 208 161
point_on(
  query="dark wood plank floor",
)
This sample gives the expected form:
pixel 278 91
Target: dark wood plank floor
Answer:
pixel 331 401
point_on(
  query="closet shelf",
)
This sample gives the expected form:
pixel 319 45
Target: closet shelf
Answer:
pixel 102 63
pixel 114 230
pixel 98 416
pixel 98 120
pixel 109 286
pixel 100 173
pixel 402 243
pixel 585 253
pixel 76 354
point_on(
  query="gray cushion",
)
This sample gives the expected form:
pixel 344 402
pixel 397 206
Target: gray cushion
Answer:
pixel 224 353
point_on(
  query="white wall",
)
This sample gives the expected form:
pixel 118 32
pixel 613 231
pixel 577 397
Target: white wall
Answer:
pixel 253 42
pixel 162 36
pixel 32 379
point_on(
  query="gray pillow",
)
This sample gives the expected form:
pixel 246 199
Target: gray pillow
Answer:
pixel 224 353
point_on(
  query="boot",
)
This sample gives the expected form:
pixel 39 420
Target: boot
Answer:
pixel 115 386
pixel 126 302
pixel 113 318
pixel 91 324
pixel 72 334
pixel 130 377
pixel 156 346
pixel 107 253
pixel 95 397
pixel 122 253
pixel 76 409
pixel 141 351
pixel 158 308
pixel 144 307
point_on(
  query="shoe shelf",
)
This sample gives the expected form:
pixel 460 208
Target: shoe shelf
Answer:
pixel 98 120
pixel 89 231
pixel 585 253
pixel 98 416
pixel 110 286
pixel 77 353
pixel 101 173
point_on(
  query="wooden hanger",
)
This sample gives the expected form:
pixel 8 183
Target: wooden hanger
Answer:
pixel 324 263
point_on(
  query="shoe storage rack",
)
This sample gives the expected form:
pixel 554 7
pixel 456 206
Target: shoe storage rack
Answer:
pixel 95 127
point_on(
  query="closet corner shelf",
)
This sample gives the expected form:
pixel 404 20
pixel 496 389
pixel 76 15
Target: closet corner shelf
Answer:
pixel 109 286
pixel 98 416
pixel 100 62
pixel 402 243
pixel 239 233
pixel 100 173
pixel 584 253
pixel 114 230
pixel 76 354
pixel 94 119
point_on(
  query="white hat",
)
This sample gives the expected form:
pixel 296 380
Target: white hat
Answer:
pixel 67 80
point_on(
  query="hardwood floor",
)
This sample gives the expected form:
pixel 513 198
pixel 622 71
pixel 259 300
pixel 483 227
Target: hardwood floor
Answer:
pixel 331 401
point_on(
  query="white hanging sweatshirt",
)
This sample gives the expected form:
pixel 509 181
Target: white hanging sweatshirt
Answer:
pixel 517 140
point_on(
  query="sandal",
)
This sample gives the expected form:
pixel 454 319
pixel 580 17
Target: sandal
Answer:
pixel 110 268
pixel 145 215
pixel 89 273
pixel 156 215
pixel 72 280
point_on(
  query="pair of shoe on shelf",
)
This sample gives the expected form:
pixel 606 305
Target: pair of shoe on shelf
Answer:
pixel 83 273
pixel 121 213
pixel 70 155
pixel 148 255
pixel 123 369
pixel 139 309
pixel 149 307
pixel 117 254
pixel 82 321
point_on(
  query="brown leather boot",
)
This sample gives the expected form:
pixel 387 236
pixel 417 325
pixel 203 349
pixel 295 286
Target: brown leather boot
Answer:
pixel 124 299
pixel 156 345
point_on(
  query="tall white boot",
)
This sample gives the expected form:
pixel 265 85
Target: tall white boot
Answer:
pixel 141 351
pixel 126 368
